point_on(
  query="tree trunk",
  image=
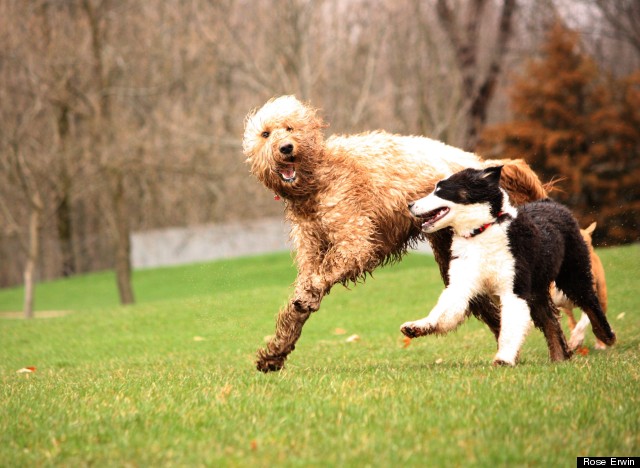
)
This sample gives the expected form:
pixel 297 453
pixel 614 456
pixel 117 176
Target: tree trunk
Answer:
pixel 104 129
pixel 65 233
pixel 123 242
pixel 478 90
pixel 32 257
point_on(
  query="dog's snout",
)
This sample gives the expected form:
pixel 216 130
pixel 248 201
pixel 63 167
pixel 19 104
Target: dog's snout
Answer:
pixel 287 148
pixel 411 205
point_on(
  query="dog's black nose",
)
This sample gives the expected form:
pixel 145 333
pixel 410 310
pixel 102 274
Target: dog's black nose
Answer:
pixel 286 148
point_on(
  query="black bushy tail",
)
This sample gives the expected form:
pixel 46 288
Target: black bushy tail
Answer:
pixel 576 279
pixel 599 322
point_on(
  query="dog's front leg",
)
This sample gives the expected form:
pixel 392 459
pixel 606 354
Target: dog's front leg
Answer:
pixel 288 329
pixel 453 303
pixel 515 321
pixel 481 306
pixel 308 293
pixel 291 318
pixel 449 312
pixel 311 286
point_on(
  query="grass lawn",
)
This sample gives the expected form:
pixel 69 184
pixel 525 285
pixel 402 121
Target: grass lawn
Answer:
pixel 171 380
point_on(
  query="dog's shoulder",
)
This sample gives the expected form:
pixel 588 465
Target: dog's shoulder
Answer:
pixel 540 228
pixel 544 207
pixel 547 215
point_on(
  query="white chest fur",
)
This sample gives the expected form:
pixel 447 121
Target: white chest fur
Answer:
pixel 484 261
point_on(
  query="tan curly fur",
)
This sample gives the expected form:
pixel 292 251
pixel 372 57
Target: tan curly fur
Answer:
pixel 346 198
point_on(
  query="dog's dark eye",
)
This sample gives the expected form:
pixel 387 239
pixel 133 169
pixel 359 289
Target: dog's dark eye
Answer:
pixel 289 129
pixel 265 134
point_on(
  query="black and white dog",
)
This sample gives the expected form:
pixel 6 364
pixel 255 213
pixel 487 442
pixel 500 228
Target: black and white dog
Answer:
pixel 513 254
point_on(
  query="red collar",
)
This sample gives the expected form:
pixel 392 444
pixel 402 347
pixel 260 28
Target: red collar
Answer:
pixel 501 217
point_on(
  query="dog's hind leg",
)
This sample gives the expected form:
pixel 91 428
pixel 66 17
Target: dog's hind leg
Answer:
pixel 515 323
pixel 578 331
pixel 545 317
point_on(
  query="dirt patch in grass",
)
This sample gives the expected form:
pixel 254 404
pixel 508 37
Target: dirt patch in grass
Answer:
pixel 38 314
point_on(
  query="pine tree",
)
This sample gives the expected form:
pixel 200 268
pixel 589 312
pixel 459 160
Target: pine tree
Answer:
pixel 574 125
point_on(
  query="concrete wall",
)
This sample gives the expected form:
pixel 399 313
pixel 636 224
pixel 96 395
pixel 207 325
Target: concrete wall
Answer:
pixel 176 246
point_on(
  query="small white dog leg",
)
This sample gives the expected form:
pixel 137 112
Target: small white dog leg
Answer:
pixel 449 312
pixel 417 328
pixel 577 334
pixel 515 321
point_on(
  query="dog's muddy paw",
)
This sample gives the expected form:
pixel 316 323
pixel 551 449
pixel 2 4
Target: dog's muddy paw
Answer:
pixel 502 363
pixel 411 330
pixel 268 363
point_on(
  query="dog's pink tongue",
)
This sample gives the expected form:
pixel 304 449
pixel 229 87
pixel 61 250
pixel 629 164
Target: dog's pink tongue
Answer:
pixel 288 172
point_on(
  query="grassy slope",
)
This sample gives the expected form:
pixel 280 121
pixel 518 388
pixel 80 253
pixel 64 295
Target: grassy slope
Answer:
pixel 130 385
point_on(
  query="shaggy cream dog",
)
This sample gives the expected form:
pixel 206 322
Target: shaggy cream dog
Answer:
pixel 346 198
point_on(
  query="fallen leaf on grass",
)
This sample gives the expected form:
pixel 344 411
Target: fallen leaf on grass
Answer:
pixel 583 351
pixel 27 370
pixel 198 338
pixel 339 331
pixel 620 316
pixel 439 360
pixel 406 341
pixel 223 393
pixel 254 445
pixel 353 339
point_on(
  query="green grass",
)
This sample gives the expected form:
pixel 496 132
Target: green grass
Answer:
pixel 130 386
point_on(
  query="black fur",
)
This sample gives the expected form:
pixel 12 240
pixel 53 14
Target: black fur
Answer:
pixel 546 243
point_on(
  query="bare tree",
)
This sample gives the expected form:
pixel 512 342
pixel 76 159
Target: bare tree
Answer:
pixel 141 104
pixel 464 36
pixel 623 16
pixel 23 156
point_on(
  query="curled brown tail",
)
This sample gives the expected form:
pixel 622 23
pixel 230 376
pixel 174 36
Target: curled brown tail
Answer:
pixel 519 180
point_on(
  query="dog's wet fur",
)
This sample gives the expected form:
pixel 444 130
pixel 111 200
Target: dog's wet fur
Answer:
pixel 513 254
pixel 346 196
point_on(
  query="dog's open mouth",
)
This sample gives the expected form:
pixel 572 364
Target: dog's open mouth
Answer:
pixel 431 217
pixel 287 173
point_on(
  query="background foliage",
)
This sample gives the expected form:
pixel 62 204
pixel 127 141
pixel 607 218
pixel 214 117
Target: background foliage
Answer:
pixel 118 116
pixel 581 126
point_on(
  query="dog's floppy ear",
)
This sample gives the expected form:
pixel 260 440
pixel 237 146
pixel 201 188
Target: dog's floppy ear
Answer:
pixel 492 174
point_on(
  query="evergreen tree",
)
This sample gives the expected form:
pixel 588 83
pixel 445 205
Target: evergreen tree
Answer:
pixel 573 125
